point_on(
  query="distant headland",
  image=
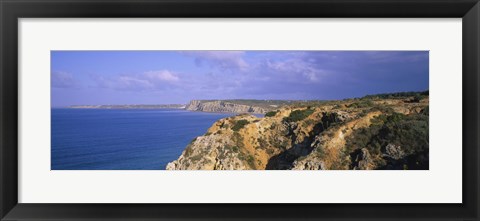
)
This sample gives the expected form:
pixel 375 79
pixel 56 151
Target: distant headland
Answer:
pixel 223 106
pixel 250 106
pixel 130 106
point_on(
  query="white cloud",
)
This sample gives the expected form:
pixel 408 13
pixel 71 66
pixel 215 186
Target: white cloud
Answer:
pixel 127 82
pixel 150 80
pixel 295 68
pixel 162 75
pixel 60 79
pixel 224 60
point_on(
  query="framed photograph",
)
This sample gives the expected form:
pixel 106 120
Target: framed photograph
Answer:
pixel 227 110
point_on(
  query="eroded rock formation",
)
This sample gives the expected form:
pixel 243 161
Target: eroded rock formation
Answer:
pixel 352 134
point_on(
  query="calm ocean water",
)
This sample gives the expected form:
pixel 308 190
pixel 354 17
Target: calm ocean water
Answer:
pixel 106 139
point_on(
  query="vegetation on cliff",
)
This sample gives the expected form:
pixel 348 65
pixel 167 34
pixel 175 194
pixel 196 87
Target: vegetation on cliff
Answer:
pixel 388 131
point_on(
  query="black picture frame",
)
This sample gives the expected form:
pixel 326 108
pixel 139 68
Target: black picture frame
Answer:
pixel 12 10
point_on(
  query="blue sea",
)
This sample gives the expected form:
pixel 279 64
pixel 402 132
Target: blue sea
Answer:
pixel 127 139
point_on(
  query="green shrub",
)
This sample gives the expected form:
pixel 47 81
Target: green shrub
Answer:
pixel 224 125
pixel 262 143
pixel 397 95
pixel 239 125
pixel 361 104
pixel 271 114
pixel 196 158
pixel 235 149
pixel 238 140
pixel 425 111
pixel 408 131
pixel 417 98
pixel 250 160
pixel 383 109
pixel 298 115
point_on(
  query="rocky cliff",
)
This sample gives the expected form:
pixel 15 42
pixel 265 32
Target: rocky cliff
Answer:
pixel 223 106
pixel 359 134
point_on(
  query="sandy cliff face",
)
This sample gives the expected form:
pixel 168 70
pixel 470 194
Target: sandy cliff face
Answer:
pixel 335 135
pixel 223 106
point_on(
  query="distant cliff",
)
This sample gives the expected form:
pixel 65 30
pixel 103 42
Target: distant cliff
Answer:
pixel 228 106
pixel 224 106
pixel 130 106
pixel 356 134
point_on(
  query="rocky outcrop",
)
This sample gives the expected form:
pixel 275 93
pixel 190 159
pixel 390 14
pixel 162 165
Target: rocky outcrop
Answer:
pixel 309 165
pixel 223 106
pixel 330 136
pixel 226 146
pixel 362 160
pixel 328 146
pixel 394 151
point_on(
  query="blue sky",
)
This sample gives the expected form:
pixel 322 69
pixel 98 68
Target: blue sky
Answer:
pixel 176 77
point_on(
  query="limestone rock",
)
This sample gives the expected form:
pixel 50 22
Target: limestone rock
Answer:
pixel 313 141
pixel 364 160
pixel 393 151
pixel 223 106
pixel 309 165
